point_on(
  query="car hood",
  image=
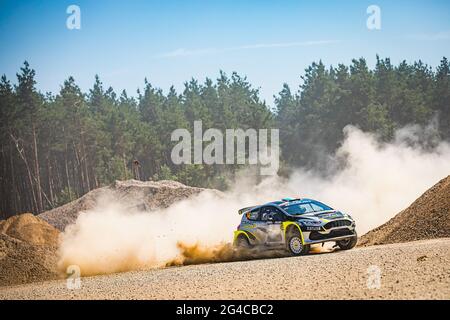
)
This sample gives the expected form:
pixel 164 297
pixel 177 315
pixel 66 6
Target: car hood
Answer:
pixel 327 215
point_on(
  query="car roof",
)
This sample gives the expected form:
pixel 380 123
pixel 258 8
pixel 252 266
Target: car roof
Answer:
pixel 277 203
pixel 297 200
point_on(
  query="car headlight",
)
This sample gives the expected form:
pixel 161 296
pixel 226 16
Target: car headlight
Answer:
pixel 348 216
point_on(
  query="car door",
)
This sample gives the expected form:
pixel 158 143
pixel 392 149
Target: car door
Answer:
pixel 272 219
pixel 258 227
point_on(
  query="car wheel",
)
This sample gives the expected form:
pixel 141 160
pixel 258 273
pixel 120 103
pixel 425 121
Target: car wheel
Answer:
pixel 347 244
pixel 295 245
pixel 242 243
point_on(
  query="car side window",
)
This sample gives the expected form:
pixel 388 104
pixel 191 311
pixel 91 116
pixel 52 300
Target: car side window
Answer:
pixel 265 211
pixel 316 207
pixel 273 212
pixel 278 215
pixel 253 214
pixel 305 208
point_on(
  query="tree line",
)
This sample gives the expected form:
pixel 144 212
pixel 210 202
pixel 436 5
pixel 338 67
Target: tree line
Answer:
pixel 57 147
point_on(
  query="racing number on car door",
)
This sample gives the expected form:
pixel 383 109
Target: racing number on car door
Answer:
pixel 271 219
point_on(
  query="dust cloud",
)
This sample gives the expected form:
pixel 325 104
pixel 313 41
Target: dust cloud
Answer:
pixel 376 182
pixel 379 179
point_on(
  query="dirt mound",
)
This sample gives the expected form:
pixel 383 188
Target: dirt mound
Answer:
pixel 28 248
pixel 145 196
pixel 29 244
pixel 426 218
pixel 31 229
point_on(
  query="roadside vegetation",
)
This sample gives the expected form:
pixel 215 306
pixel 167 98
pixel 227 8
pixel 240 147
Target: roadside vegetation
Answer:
pixel 57 147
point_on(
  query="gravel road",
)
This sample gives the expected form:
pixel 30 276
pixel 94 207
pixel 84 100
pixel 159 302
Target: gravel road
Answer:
pixel 414 270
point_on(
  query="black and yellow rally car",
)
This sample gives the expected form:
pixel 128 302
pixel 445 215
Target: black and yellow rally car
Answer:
pixel 294 224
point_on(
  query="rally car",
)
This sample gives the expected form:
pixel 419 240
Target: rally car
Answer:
pixel 294 224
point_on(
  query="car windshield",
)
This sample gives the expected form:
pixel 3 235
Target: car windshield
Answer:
pixel 306 207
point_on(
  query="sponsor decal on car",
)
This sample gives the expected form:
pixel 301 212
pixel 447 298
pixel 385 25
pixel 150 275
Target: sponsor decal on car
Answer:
pixel 332 215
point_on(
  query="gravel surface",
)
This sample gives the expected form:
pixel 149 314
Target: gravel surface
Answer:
pixel 414 270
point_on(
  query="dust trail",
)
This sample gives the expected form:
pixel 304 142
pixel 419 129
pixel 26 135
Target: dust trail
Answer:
pixel 224 252
pixel 112 238
pixel 377 181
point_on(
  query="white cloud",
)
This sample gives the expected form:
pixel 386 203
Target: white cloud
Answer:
pixel 286 44
pixel 182 52
pixel 441 35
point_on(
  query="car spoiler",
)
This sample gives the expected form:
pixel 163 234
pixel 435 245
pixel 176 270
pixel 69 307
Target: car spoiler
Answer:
pixel 241 211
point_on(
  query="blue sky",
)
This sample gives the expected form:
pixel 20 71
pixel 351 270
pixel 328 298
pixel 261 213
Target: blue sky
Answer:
pixel 169 42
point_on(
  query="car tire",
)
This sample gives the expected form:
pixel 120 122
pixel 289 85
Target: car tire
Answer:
pixel 295 245
pixel 242 243
pixel 347 244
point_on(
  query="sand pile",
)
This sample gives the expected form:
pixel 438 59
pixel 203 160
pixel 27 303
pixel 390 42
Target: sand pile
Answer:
pixel 426 218
pixel 27 250
pixel 145 196
pixel 31 229
pixel 29 244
